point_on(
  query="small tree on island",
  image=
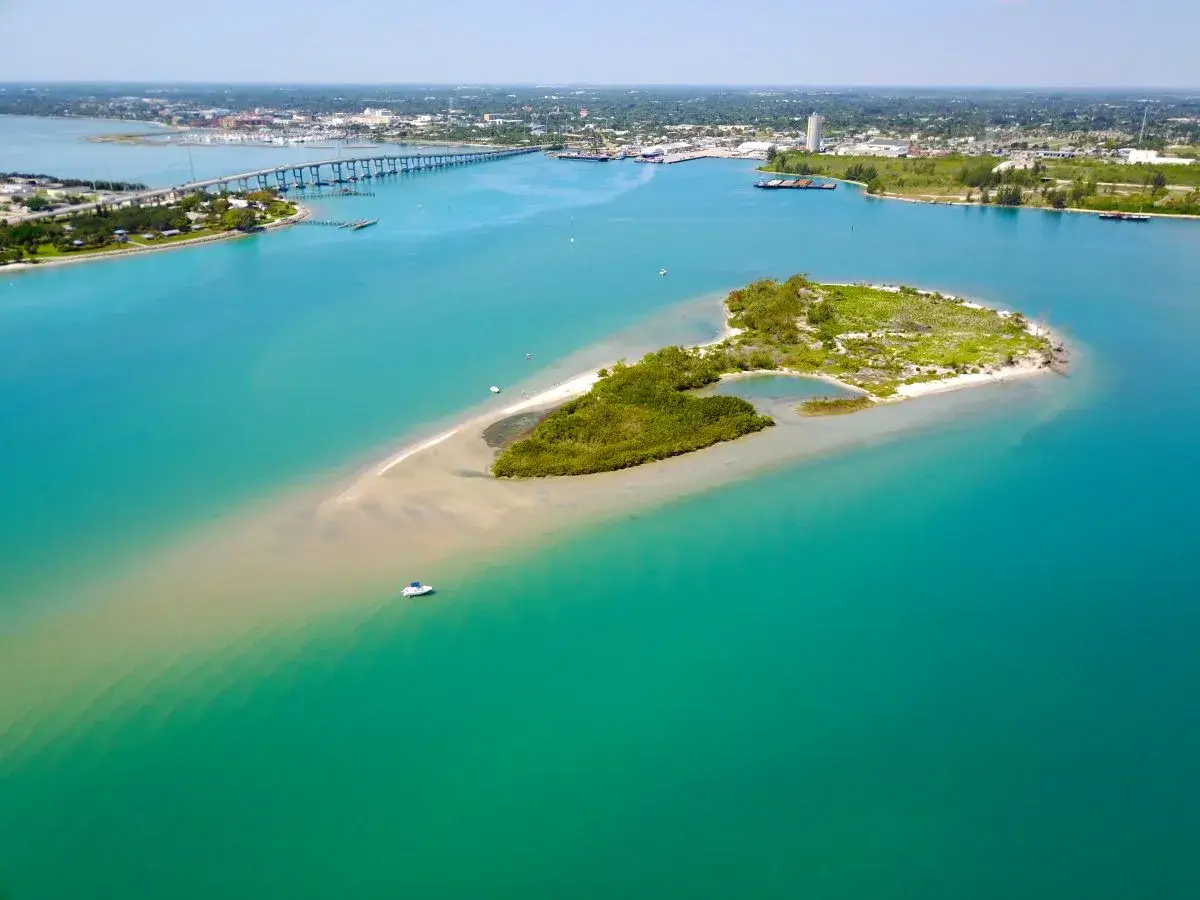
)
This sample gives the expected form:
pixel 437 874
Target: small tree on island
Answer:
pixel 238 219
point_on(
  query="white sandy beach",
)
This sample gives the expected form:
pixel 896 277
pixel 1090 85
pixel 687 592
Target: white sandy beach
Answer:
pixel 575 386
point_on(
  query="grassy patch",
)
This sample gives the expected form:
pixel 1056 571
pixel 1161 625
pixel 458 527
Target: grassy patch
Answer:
pixel 1123 173
pixel 635 414
pixel 834 406
pixel 875 338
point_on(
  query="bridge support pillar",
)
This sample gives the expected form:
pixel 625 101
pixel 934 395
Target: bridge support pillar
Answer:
pixel 262 181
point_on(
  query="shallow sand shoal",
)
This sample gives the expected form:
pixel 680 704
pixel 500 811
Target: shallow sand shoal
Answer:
pixel 263 580
pixel 252 586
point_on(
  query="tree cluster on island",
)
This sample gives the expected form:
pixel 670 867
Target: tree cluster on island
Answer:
pixel 870 338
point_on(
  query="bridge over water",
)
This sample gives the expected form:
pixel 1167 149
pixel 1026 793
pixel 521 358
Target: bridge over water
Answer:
pixel 287 177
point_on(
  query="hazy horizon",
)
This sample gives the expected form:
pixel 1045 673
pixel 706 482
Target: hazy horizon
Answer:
pixel 1053 44
pixel 1185 91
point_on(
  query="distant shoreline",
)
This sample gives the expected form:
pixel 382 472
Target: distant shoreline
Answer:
pixel 155 140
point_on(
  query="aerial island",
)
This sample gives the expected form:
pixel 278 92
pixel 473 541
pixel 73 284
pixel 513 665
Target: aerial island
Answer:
pixel 883 343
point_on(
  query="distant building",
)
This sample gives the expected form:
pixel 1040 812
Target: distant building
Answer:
pixel 875 147
pixel 815 126
pixel 373 117
pixel 755 147
pixel 1151 156
pixel 65 192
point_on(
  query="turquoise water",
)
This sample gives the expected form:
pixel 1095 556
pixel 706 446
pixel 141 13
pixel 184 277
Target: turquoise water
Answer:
pixel 961 662
pixel 780 387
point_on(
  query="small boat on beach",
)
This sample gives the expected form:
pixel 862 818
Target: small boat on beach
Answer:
pixel 416 589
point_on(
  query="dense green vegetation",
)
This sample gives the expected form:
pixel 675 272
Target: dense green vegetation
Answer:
pixel 834 406
pixel 873 338
pixel 1075 184
pixel 635 414
pixel 99 231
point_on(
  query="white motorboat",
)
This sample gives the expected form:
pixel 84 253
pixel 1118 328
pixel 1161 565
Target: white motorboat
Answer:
pixel 662 272
pixel 416 589
pixel 494 389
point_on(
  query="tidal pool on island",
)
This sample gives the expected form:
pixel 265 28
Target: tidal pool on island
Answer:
pixel 943 647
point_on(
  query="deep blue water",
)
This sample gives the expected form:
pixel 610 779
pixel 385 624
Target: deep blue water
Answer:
pixel 959 662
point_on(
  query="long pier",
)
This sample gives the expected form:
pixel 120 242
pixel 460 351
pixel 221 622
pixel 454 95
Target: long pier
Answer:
pixel 322 173
pixel 353 225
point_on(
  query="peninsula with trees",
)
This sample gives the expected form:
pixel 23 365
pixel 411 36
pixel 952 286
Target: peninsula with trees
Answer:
pixel 884 343
pixel 116 228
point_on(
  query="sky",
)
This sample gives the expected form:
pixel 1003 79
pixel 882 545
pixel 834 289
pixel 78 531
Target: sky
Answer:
pixel 1052 43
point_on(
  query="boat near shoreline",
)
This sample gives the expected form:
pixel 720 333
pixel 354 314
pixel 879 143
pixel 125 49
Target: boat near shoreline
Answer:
pixel 795 184
pixel 1124 217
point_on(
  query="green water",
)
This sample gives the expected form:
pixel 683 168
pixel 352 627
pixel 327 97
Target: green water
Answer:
pixel 957 662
